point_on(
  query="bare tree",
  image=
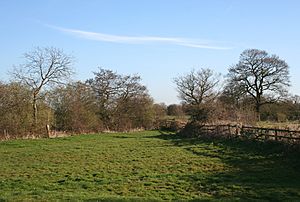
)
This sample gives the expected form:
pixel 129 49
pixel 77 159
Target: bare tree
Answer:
pixel 262 76
pixel 43 68
pixel 114 91
pixel 198 87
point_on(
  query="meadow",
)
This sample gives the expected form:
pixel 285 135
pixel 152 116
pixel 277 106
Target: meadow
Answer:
pixel 146 166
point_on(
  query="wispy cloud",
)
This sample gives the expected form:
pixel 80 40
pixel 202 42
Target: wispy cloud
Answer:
pixel 97 36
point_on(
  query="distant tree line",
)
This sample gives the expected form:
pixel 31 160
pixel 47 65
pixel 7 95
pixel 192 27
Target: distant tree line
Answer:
pixel 41 93
pixel 255 89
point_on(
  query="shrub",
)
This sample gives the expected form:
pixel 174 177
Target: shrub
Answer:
pixel 172 125
pixel 192 129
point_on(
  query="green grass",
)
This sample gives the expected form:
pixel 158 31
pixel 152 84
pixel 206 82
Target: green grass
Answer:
pixel 146 166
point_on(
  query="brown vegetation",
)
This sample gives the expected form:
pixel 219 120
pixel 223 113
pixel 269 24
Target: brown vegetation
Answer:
pixel 40 102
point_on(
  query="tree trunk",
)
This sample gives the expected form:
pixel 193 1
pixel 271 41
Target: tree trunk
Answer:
pixel 257 109
pixel 34 110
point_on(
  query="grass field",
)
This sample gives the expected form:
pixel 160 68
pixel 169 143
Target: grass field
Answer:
pixel 145 166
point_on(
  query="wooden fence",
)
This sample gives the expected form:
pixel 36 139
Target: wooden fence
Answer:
pixel 249 132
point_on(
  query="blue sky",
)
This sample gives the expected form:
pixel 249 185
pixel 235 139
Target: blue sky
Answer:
pixel 157 39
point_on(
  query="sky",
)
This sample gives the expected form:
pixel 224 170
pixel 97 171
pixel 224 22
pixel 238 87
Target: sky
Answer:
pixel 158 39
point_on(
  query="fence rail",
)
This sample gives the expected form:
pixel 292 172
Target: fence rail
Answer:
pixel 249 132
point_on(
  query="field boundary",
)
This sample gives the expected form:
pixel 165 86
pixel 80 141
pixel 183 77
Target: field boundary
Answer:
pixel 251 132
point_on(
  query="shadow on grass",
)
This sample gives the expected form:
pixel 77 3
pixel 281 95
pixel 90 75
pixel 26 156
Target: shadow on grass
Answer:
pixel 137 200
pixel 123 137
pixel 112 199
pixel 256 170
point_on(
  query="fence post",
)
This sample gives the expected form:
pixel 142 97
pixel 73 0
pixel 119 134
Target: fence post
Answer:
pixel 276 135
pixel 228 131
pixel 241 130
pixel 217 130
pixel 48 130
pixel 5 134
pixel 238 130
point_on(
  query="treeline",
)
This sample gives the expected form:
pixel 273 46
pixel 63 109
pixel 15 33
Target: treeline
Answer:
pixel 108 101
pixel 42 96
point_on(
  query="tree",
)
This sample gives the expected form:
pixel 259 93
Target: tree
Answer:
pixel 75 108
pixel 114 93
pixel 175 110
pixel 262 76
pixel 160 110
pixel 44 67
pixel 14 108
pixel 198 90
pixel 136 112
pixel 198 87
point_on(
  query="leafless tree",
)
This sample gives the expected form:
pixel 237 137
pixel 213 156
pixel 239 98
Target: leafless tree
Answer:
pixel 198 87
pixel 43 68
pixel 262 76
pixel 114 91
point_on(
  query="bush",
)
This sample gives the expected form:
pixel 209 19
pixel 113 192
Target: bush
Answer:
pixel 172 125
pixel 192 129
pixel 203 113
